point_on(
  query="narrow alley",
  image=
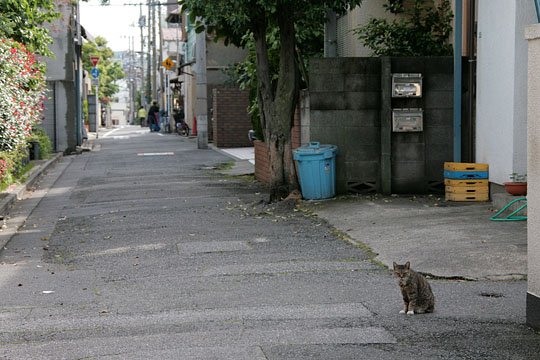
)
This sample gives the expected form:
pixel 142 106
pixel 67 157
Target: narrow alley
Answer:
pixel 143 249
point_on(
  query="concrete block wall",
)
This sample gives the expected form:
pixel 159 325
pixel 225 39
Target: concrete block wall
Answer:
pixel 346 105
pixel 231 121
pixel 418 157
pixel 345 96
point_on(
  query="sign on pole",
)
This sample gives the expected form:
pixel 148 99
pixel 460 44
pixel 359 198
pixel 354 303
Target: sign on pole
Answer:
pixel 94 59
pixel 168 63
pixel 95 72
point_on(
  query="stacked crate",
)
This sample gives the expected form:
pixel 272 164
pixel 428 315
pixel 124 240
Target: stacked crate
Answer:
pixel 466 181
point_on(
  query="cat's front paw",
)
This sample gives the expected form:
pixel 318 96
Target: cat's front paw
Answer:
pixel 402 312
pixel 410 312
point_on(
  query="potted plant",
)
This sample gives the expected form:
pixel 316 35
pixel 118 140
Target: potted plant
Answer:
pixel 518 184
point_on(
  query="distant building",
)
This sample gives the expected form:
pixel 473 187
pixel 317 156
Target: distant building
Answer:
pixel 65 80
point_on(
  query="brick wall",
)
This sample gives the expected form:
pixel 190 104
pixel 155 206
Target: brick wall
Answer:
pixel 231 122
pixel 262 164
pixel 295 131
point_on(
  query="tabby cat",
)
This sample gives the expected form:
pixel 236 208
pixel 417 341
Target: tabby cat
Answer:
pixel 417 295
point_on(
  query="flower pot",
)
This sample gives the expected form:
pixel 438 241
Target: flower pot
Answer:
pixel 516 188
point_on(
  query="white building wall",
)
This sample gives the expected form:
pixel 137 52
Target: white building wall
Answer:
pixel 348 43
pixel 501 125
pixel 525 15
pixel 533 182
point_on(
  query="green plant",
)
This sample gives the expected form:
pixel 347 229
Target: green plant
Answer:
pixel 13 165
pixel 5 170
pixel 110 70
pixel 422 29
pixel 276 96
pixel 45 146
pixel 22 89
pixel 86 117
pixel 22 20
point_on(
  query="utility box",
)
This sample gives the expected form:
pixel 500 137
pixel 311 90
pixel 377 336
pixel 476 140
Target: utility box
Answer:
pixel 407 120
pixel 406 85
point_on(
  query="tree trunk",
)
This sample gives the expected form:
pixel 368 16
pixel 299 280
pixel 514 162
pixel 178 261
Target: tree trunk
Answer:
pixel 277 109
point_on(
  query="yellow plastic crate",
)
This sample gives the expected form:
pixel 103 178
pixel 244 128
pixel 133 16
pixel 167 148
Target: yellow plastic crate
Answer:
pixel 466 182
pixel 467 189
pixel 467 197
pixel 455 166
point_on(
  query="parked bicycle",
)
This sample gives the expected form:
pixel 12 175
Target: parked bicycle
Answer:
pixel 182 127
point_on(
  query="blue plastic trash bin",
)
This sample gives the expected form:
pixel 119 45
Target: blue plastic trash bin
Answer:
pixel 316 167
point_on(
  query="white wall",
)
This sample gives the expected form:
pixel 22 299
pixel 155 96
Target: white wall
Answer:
pixel 347 42
pixel 501 118
pixel 533 181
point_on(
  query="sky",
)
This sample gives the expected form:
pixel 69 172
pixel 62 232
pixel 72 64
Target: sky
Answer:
pixel 115 22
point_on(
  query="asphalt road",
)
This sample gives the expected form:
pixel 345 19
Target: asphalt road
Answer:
pixel 142 249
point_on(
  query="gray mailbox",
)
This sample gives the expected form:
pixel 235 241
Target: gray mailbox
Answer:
pixel 407 120
pixel 407 85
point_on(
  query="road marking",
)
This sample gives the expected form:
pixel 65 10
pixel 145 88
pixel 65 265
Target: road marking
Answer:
pixel 156 154
pixel 110 133
pixel 199 247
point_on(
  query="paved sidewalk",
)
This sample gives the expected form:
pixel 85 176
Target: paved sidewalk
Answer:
pixel 441 238
pixel 444 239
pixel 14 192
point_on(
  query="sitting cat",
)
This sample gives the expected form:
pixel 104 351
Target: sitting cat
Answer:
pixel 417 295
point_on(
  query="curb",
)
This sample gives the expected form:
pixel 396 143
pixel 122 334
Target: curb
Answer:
pixel 33 175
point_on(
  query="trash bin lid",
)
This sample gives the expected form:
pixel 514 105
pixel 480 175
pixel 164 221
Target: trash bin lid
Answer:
pixel 315 148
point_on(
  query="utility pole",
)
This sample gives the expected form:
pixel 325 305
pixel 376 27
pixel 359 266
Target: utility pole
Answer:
pixel 129 81
pixel 141 26
pixel 154 54
pixel 201 106
pixel 133 82
pixel 78 77
pixel 330 34
pixel 149 56
pixel 162 71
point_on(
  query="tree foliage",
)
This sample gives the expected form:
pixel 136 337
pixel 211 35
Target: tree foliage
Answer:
pixel 309 43
pixel 421 30
pixel 22 21
pixel 277 95
pixel 110 71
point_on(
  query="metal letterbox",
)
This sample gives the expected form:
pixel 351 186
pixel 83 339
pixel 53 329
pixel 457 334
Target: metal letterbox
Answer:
pixel 407 120
pixel 407 85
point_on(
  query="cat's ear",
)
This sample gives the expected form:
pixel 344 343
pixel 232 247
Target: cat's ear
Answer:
pixel 407 265
pixel 395 265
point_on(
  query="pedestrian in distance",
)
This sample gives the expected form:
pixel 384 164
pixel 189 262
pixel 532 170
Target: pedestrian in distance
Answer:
pixel 153 117
pixel 141 116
